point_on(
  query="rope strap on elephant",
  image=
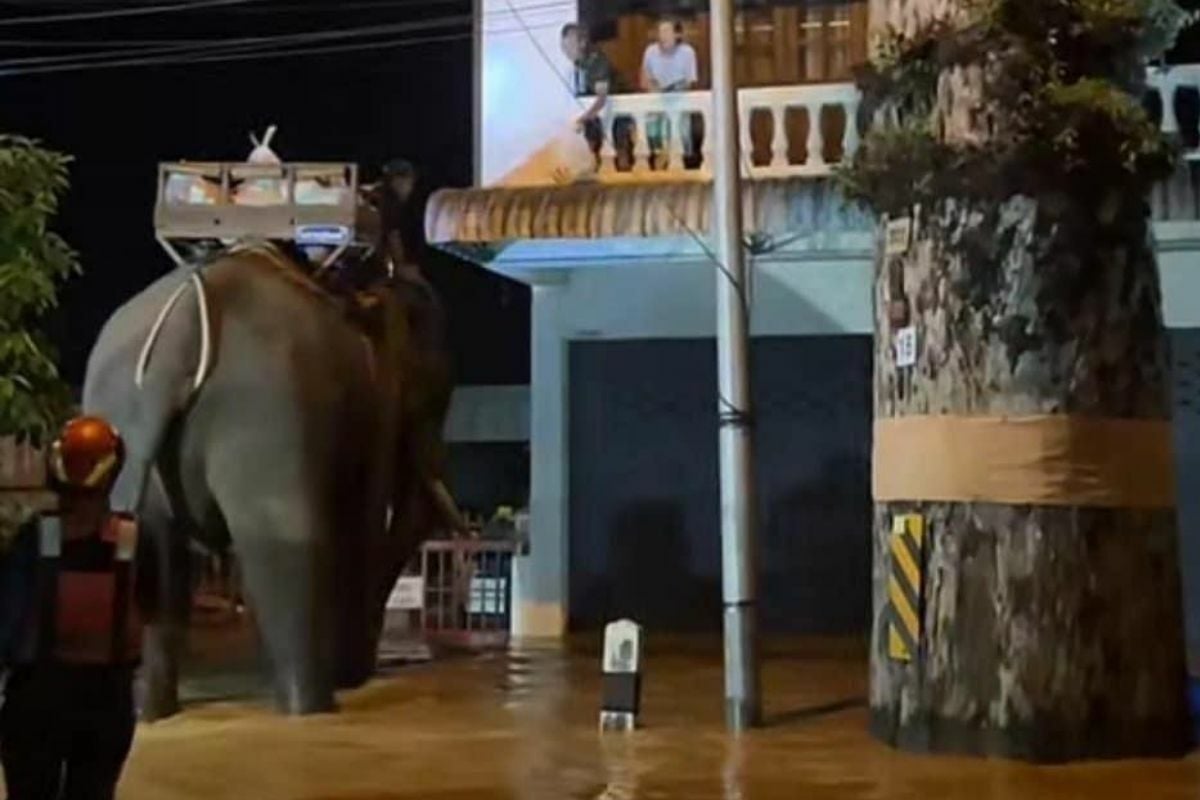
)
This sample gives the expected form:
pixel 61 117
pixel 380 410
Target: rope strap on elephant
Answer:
pixel 1046 460
pixel 194 280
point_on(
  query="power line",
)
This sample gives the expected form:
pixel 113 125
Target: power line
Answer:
pixel 97 44
pixel 216 46
pixel 200 55
pixel 386 5
pixel 115 13
pixel 237 7
pixel 99 50
pixel 230 57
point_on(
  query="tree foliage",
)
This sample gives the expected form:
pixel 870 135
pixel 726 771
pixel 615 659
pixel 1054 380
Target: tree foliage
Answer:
pixel 33 262
pixel 1062 108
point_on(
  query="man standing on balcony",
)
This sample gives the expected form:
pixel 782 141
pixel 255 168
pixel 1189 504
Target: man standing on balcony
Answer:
pixel 591 76
pixel 668 65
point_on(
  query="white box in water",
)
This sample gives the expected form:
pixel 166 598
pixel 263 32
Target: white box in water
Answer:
pixel 408 594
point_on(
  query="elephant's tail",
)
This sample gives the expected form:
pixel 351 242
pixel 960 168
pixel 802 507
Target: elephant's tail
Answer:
pixel 140 376
pixel 196 282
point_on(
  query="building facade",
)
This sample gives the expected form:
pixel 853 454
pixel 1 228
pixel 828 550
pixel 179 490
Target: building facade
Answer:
pixel 623 410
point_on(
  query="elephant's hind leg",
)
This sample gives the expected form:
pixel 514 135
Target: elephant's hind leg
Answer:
pixel 164 577
pixel 284 555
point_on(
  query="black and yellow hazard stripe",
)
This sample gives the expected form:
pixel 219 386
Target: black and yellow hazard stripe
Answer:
pixel 904 586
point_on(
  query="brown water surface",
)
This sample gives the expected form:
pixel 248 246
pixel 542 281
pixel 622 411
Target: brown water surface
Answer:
pixel 522 725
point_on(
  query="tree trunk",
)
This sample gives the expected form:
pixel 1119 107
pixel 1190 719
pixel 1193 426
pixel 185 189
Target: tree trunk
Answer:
pixel 1047 633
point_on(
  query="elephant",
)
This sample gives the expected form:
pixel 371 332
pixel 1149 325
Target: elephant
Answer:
pixel 256 413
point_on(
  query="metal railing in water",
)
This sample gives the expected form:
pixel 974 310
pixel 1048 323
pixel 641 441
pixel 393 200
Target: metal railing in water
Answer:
pixel 468 591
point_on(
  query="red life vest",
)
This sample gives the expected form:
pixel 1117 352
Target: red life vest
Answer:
pixel 85 611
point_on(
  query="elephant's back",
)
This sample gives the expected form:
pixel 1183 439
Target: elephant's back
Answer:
pixel 282 343
pixel 292 377
pixel 279 307
pixel 115 353
pixel 255 310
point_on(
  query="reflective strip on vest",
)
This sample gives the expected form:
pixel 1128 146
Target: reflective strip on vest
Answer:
pixel 50 537
pixel 124 532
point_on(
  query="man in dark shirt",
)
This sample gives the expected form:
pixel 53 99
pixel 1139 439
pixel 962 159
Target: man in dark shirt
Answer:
pixel 70 630
pixel 592 76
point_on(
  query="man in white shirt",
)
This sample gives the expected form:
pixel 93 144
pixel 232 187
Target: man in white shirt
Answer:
pixel 668 65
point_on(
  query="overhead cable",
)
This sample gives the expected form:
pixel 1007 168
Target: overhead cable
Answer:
pixel 185 59
pixel 217 46
pixel 116 13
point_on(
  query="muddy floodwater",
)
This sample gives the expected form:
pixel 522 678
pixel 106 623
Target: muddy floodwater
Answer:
pixel 522 724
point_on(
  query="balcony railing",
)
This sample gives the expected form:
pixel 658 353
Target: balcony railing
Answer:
pixel 1173 97
pixel 785 131
pixel 803 131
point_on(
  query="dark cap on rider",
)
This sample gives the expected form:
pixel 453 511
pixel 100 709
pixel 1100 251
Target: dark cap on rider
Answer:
pixel 399 168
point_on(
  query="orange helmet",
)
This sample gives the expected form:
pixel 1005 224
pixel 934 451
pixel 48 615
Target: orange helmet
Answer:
pixel 86 456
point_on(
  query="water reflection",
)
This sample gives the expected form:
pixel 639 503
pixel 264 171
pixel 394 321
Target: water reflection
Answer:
pixel 620 764
pixel 731 772
pixel 524 726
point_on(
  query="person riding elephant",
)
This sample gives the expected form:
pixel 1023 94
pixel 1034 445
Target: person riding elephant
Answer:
pixel 257 414
pixel 403 247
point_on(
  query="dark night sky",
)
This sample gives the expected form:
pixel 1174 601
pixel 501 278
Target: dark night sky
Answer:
pixel 411 102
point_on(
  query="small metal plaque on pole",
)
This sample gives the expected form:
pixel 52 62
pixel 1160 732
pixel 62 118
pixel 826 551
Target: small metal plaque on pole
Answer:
pixel 906 346
pixel 898 236
pixel 622 667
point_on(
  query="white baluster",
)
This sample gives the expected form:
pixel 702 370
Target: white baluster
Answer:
pixel 779 140
pixel 816 141
pixel 608 149
pixel 641 143
pixel 746 143
pixel 680 124
pixel 1166 93
pixel 850 141
pixel 706 150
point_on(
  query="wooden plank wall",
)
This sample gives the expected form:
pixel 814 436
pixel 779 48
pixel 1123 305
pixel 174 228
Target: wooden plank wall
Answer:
pixel 21 467
pixel 775 46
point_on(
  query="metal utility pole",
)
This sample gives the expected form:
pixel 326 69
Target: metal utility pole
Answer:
pixel 743 704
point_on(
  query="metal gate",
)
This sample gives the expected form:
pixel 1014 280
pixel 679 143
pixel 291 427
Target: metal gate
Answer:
pixel 467 592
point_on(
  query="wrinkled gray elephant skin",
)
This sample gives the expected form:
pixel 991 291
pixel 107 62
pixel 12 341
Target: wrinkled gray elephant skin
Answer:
pixel 290 450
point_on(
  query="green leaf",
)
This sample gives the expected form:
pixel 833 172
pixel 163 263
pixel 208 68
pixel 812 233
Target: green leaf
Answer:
pixel 34 262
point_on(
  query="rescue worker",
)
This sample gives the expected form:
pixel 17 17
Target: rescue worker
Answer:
pixel 70 630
